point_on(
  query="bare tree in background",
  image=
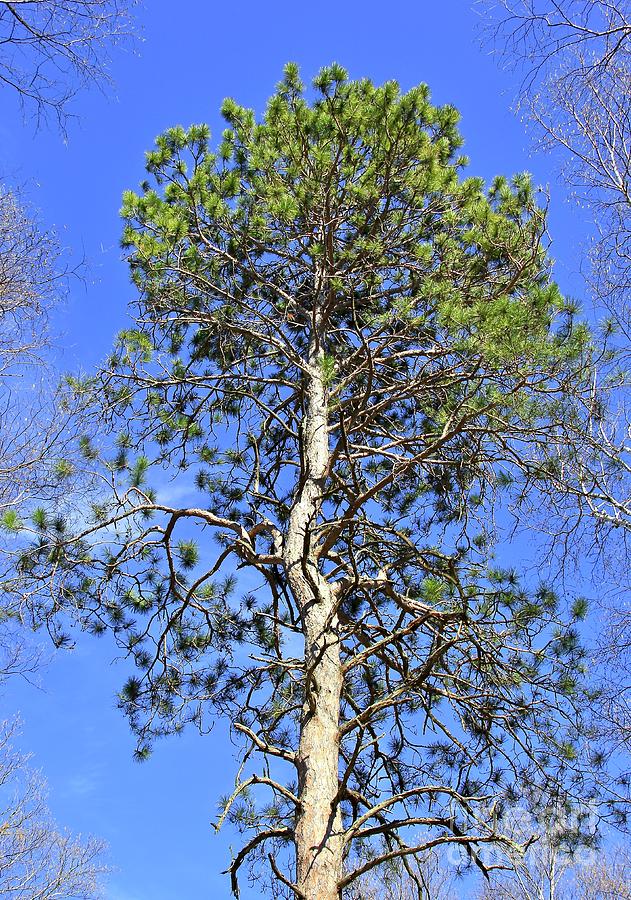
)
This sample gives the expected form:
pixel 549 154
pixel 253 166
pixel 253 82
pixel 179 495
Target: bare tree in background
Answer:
pixel 49 49
pixel 575 62
pixel 34 420
pixel 548 873
pixel 428 878
pixel 605 879
pixel 37 861
pixel 31 282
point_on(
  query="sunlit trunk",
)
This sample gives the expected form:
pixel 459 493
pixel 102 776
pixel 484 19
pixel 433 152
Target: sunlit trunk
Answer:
pixel 318 824
pixel 318 832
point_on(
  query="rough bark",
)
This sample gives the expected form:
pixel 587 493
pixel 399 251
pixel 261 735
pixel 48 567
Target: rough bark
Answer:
pixel 318 825
pixel 318 832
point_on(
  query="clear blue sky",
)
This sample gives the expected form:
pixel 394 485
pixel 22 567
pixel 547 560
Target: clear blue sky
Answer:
pixel 156 817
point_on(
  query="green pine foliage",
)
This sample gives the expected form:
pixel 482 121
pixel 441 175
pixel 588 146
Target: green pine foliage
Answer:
pixel 63 469
pixel 10 520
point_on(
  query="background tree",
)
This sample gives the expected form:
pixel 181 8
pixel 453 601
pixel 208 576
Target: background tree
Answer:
pixel 605 877
pixel 37 861
pixel 575 62
pixel 548 872
pixel 432 877
pixel 32 281
pixel 342 351
pixel 52 48
pixel 48 50
pixel 35 424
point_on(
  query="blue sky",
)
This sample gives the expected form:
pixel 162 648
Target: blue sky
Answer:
pixel 156 817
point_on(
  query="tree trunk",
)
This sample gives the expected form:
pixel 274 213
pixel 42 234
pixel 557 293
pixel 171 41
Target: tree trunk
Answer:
pixel 318 831
pixel 318 825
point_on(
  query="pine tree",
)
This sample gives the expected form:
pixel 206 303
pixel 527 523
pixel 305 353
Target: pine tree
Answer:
pixel 344 352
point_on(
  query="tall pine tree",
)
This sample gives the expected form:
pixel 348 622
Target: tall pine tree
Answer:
pixel 343 350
